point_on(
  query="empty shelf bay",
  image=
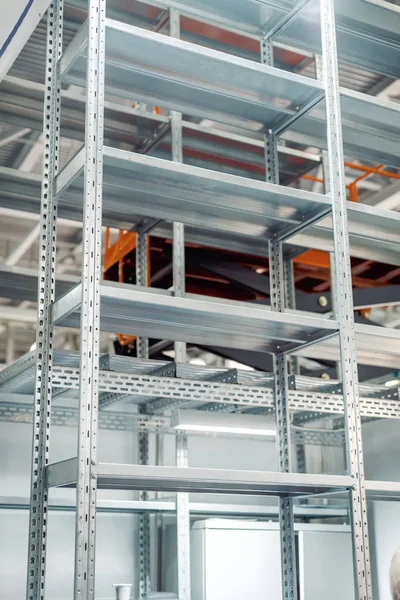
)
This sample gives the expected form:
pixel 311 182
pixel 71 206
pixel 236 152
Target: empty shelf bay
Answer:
pixel 197 319
pixel 379 346
pixel 183 479
pixel 371 128
pixel 203 146
pixel 18 283
pixel 137 185
pixel 374 233
pixel 367 32
pixel 121 123
pixel 382 490
pixel 192 79
pixel 199 81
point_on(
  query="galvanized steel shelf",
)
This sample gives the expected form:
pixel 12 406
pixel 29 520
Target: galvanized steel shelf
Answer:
pixel 367 32
pixel 18 283
pixel 199 81
pixel 202 320
pixel 373 232
pixel 135 128
pixel 368 131
pixel 383 490
pixel 157 313
pixel 379 346
pixel 136 185
pixel 186 479
pixel 192 79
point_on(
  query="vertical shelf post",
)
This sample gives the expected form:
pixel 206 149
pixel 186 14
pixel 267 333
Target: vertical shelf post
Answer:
pixel 183 523
pixel 344 303
pixel 142 350
pixel 86 488
pixel 277 294
pixel 290 296
pixel 144 526
pixel 178 272
pixel 282 413
pixel 44 332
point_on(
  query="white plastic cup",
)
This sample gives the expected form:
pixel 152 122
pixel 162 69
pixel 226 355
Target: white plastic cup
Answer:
pixel 123 591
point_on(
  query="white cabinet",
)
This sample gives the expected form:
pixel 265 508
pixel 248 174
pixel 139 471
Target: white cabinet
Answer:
pixel 237 560
pixel 232 560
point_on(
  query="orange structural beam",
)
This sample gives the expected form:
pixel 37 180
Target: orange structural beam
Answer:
pixel 313 258
pixel 372 170
pixel 115 253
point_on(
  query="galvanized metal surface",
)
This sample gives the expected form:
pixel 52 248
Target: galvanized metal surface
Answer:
pixel 183 479
pixel 344 305
pixel 373 231
pixel 46 293
pixel 85 519
pixel 200 81
pixel 143 382
pixel 196 319
pixel 367 33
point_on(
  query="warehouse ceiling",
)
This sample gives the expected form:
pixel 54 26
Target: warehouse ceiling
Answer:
pixel 21 150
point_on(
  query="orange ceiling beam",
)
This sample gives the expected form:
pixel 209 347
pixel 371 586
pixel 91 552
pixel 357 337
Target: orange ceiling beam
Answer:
pixel 313 258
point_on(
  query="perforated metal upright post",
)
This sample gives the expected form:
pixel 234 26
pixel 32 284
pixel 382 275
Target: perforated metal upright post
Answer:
pixel 332 258
pixel 277 293
pixel 142 348
pixel 142 343
pixel 344 306
pixel 290 296
pixel 144 527
pixel 319 73
pixel 178 271
pixel 90 307
pixel 183 523
pixel 44 333
pixel 178 267
pixel 286 518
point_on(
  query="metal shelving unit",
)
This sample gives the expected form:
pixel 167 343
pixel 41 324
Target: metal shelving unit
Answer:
pixel 226 210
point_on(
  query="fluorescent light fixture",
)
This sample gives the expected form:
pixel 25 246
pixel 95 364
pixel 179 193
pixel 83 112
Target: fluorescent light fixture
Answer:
pixel 392 383
pixel 202 421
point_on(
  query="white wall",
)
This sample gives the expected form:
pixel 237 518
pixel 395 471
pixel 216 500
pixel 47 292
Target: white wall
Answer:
pixel 226 453
pixel 117 534
pixel 116 539
pixel 381 450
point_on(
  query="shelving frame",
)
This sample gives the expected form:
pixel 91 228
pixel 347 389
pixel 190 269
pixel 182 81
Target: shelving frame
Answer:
pixel 84 472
